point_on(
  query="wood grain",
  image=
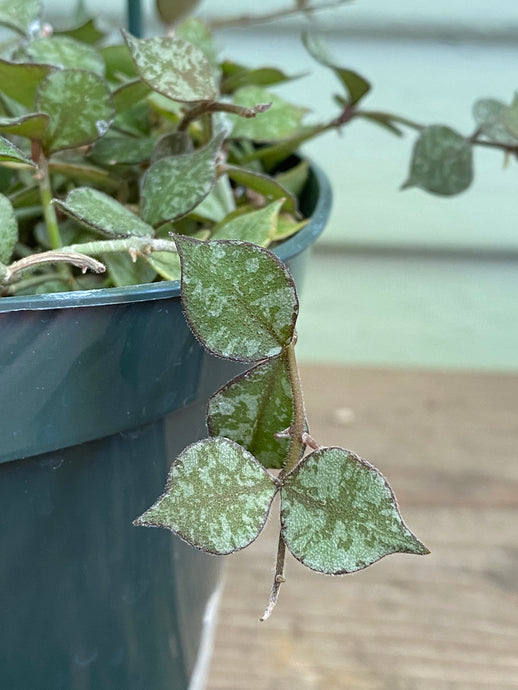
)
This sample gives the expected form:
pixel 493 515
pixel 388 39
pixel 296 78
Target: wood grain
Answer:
pixel 448 443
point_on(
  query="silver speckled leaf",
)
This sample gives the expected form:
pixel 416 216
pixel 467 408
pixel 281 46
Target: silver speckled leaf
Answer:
pixel 490 117
pixel 173 67
pixel 442 162
pixel 8 229
pixel 340 515
pixel 75 119
pixel 217 497
pixel 103 213
pixel 239 299
pixel 173 186
pixel 252 408
pixel 64 52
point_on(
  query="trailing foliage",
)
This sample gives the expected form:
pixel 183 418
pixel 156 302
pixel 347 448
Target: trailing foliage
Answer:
pixel 338 514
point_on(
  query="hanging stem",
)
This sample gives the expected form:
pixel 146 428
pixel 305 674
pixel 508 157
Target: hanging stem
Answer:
pixel 298 441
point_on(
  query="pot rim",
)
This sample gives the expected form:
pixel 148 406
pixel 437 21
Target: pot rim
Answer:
pixel 166 289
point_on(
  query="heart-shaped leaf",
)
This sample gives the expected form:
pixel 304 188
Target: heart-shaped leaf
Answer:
pixel 74 119
pixel 9 152
pixel 339 514
pixel 217 497
pixel 239 299
pixel 31 126
pixel 20 81
pixel 64 52
pixel 252 408
pixel 8 229
pixel 173 186
pixel 257 227
pixel 442 162
pixel 280 121
pixel 356 86
pixel 173 67
pixel 20 15
pixel 103 213
pixel 489 115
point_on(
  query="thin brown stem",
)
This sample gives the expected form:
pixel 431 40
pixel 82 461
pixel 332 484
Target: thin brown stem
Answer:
pixel 278 579
pixel 246 19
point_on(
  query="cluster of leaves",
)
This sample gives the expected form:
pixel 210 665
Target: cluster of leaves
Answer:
pixel 338 514
pixel 106 150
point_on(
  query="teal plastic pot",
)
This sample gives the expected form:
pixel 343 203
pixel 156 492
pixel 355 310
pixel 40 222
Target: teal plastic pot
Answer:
pixel 100 391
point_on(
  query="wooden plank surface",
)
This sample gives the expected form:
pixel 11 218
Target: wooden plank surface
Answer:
pixel 448 443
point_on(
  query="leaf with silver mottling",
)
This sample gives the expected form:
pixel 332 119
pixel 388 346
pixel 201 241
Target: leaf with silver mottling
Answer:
pixel 64 52
pixel 20 15
pixel 217 497
pixel 339 514
pixel 239 299
pixel 173 67
pixel 103 213
pixel 173 186
pixel 442 162
pixel 74 119
pixel 252 408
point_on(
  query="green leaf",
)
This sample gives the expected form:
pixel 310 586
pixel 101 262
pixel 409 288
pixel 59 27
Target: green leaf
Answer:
pixel 239 299
pixel 294 179
pixel 64 52
pixel 166 264
pixel 31 126
pixel 267 186
pixel 81 172
pixel 74 119
pixel 217 497
pixel 236 77
pixel 339 514
pixel 173 67
pixel 252 408
pixel 9 152
pixel 442 162
pixel 125 96
pixel 510 119
pixel 257 227
pixel 280 121
pixel 171 10
pixel 218 203
pixel 85 32
pixel 173 186
pixel 124 271
pixel 118 150
pixel 8 229
pixel 118 61
pixel 288 226
pixel 103 213
pixel 20 81
pixel 20 15
pixel 490 116
pixel 356 86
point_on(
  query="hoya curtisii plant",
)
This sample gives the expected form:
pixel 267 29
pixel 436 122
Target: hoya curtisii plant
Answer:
pixel 337 512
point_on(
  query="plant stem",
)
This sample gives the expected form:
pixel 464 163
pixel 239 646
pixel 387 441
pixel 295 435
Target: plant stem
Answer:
pixel 132 245
pixel 244 19
pixel 278 579
pixel 298 439
pixel 49 212
pixel 14 271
